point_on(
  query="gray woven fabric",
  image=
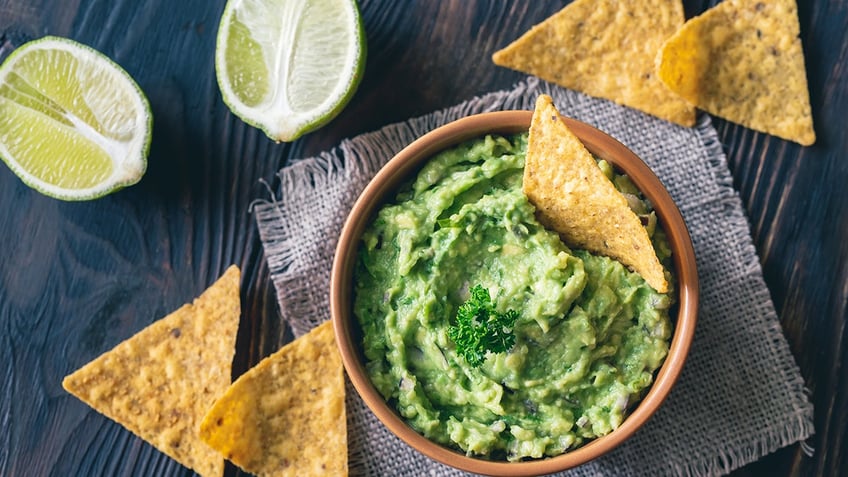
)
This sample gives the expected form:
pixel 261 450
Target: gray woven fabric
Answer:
pixel 740 395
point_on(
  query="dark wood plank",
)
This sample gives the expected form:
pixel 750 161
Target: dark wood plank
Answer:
pixel 80 277
pixel 75 279
pixel 798 209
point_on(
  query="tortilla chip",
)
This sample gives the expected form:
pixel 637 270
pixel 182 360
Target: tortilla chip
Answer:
pixel 605 48
pixel 286 415
pixel 574 197
pixel 160 382
pixel 742 60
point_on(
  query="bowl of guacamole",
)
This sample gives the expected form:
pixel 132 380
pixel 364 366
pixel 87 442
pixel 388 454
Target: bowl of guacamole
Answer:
pixel 481 338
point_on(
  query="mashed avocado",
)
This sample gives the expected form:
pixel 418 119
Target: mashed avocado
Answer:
pixel 589 334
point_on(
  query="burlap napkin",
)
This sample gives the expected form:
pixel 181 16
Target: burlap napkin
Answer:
pixel 740 396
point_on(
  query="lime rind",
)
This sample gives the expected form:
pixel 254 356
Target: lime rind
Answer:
pixel 126 148
pixel 282 110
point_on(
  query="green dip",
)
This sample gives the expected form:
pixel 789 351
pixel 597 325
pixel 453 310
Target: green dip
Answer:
pixel 589 336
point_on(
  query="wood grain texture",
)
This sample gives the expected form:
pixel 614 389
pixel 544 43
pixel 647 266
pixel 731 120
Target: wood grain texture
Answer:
pixel 77 278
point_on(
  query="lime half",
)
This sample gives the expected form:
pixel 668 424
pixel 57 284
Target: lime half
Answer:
pixel 73 124
pixel 289 66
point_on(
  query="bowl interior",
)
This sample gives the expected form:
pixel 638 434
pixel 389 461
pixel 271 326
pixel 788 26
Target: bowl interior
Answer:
pixel 399 170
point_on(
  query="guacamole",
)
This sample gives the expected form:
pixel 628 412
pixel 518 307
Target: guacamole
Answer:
pixel 589 334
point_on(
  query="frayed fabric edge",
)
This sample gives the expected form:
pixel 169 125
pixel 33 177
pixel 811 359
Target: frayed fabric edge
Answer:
pixel 351 155
pixel 732 458
pixel 735 211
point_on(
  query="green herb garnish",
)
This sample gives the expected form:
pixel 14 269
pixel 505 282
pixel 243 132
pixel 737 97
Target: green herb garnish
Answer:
pixel 480 328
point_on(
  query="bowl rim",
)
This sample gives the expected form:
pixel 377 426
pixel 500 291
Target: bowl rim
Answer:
pixel 410 159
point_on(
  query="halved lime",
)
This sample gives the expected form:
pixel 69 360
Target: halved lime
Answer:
pixel 289 66
pixel 73 124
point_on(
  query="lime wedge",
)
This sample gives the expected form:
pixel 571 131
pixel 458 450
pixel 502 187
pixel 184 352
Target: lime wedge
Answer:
pixel 289 66
pixel 73 124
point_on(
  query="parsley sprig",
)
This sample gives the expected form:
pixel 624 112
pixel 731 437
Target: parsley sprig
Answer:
pixel 480 328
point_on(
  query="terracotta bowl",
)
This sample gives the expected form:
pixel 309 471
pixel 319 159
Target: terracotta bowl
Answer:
pixel 402 168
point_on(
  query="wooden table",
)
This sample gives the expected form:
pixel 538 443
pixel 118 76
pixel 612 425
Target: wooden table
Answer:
pixel 77 278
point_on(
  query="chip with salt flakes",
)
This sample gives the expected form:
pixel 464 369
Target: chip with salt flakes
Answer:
pixel 286 415
pixel 742 61
pixel 160 382
pixel 574 197
pixel 607 49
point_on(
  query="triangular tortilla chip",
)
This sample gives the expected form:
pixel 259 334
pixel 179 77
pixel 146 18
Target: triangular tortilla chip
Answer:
pixel 160 382
pixel 286 416
pixel 605 48
pixel 742 60
pixel 574 197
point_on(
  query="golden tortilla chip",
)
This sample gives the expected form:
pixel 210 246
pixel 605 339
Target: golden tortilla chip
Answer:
pixel 742 60
pixel 574 197
pixel 605 48
pixel 286 416
pixel 160 382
